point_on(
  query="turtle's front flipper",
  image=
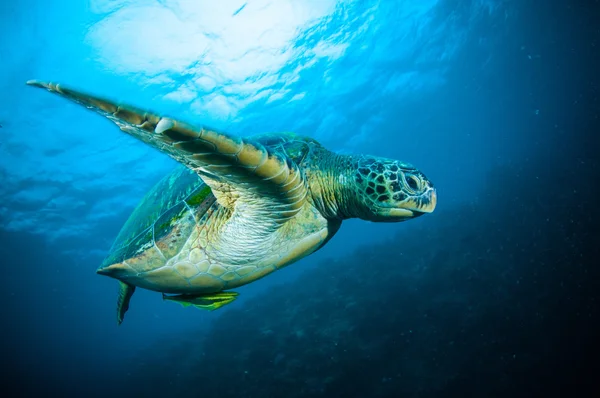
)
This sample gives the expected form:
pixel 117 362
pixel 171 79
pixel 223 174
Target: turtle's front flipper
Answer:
pixel 125 292
pixel 239 171
pixel 209 302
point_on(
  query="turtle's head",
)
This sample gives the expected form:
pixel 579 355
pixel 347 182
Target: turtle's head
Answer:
pixel 389 191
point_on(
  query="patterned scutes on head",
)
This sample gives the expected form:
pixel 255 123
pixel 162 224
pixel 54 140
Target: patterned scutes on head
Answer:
pixel 385 180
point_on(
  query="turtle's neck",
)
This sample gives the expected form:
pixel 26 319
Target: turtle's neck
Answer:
pixel 331 178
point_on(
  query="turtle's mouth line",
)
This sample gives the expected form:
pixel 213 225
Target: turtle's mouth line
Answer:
pixel 405 213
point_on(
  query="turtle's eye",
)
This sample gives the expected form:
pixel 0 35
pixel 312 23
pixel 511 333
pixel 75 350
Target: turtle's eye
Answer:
pixel 413 182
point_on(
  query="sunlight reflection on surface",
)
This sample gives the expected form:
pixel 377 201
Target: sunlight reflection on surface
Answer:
pixel 343 72
pixel 239 46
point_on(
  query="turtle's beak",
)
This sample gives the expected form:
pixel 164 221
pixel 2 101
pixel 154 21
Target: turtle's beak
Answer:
pixel 416 206
pixel 430 201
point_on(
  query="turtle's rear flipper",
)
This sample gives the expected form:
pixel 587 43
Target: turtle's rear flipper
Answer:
pixel 125 292
pixel 211 302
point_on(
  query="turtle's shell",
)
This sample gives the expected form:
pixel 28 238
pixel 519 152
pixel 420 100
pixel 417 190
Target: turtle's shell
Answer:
pixel 169 200
pixel 183 190
pixel 177 193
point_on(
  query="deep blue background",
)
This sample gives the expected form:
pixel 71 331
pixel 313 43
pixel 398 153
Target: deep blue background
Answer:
pixel 496 101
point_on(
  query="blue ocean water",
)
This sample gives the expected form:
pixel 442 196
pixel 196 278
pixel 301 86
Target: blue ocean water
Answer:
pixel 496 101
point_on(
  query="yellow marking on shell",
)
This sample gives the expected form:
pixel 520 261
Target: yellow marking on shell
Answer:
pixel 196 255
pixel 186 269
pixel 207 281
pixel 251 155
pixel 245 270
pixel 216 270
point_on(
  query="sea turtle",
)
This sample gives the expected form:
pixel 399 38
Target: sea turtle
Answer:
pixel 241 208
